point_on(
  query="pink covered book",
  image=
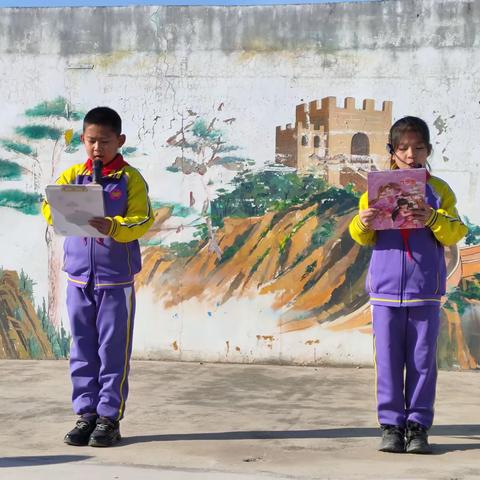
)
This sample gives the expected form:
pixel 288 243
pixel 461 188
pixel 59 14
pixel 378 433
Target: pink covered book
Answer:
pixel 393 193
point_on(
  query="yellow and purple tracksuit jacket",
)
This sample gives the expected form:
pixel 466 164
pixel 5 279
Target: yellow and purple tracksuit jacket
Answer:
pixel 113 261
pixel 408 268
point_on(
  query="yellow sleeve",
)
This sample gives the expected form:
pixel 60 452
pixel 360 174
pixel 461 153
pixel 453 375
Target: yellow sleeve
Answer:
pixel 445 222
pixel 358 231
pixel 139 216
pixel 68 176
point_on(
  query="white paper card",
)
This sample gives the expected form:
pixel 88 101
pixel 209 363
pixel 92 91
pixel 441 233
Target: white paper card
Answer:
pixel 72 206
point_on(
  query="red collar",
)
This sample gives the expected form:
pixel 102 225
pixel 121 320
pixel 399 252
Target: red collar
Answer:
pixel 116 164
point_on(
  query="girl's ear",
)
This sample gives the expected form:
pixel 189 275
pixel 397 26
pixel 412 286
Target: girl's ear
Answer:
pixel 429 148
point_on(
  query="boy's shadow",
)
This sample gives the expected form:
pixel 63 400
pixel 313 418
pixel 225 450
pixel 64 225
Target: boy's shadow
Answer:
pixel 38 460
pixel 471 432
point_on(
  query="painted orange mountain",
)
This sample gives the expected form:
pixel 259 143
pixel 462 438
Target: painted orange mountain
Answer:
pixel 305 257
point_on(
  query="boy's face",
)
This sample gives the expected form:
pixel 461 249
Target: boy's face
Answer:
pixel 101 142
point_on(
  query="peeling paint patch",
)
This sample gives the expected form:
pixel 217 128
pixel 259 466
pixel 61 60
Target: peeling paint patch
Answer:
pixel 227 343
pixel 175 345
pixel 440 124
pixel 445 159
pixel 237 349
pixel 311 342
pixel 269 338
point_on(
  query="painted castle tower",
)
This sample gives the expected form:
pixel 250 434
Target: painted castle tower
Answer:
pixel 328 139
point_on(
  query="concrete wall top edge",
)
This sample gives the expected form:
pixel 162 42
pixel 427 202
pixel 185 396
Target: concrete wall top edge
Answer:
pixel 380 24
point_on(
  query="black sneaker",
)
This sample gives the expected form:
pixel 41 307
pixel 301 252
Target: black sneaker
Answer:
pixel 106 433
pixel 417 439
pixel 80 434
pixel 393 439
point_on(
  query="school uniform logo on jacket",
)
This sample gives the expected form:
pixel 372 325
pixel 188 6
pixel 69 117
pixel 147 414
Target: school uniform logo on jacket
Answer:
pixel 116 194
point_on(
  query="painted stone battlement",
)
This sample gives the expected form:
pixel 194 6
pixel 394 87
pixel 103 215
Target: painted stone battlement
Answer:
pixel 318 110
pixel 324 130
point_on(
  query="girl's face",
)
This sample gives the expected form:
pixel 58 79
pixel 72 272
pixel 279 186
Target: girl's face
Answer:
pixel 411 152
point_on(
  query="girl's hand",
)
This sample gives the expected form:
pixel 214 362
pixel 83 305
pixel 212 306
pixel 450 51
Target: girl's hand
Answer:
pixel 421 214
pixel 102 224
pixel 368 216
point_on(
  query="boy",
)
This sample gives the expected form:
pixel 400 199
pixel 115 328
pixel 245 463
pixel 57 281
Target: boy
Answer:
pixel 100 290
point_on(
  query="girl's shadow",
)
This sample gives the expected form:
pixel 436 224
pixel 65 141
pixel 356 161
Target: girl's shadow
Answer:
pixel 471 432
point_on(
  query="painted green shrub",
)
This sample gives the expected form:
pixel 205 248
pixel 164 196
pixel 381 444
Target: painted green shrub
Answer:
pixel 259 261
pixel 39 132
pixel 460 295
pixel 33 348
pixel 178 210
pixel 25 285
pixel 184 249
pixel 201 231
pixel 10 170
pixel 309 269
pixel 238 243
pixel 294 230
pixel 58 107
pixel 27 203
pixel 473 235
pixel 127 151
pixel 58 338
pixel 255 193
pixel 17 147
pixel 74 144
pixel 323 232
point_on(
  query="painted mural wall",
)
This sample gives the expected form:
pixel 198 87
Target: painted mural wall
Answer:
pixel 255 128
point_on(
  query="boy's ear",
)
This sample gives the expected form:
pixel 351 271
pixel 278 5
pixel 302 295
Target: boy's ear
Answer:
pixel 82 138
pixel 121 140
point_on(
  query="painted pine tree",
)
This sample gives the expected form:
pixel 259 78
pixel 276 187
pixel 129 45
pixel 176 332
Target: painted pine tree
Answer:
pixel 47 127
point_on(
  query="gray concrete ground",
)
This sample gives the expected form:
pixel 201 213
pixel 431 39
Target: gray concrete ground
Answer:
pixel 231 422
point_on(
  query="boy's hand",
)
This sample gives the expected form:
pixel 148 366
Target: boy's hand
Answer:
pixel 421 214
pixel 102 224
pixel 368 216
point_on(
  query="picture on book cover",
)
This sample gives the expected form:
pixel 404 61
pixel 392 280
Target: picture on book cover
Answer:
pixel 394 193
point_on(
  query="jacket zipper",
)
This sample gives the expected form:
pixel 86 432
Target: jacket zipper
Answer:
pixel 402 278
pixel 128 259
pixel 437 270
pixel 92 259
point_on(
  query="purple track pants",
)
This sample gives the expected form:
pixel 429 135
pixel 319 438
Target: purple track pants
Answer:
pixel 101 322
pixel 405 343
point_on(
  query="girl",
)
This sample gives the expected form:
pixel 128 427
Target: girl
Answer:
pixel 406 280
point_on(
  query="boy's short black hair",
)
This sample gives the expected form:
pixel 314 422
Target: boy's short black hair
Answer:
pixel 105 116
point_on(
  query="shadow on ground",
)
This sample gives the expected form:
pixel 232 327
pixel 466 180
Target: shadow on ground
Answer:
pixel 470 431
pixel 31 461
